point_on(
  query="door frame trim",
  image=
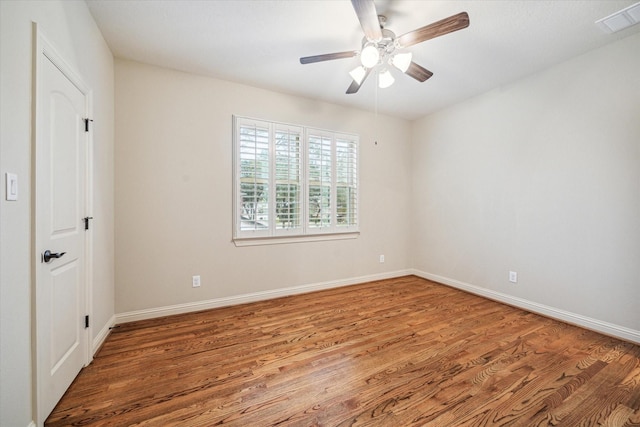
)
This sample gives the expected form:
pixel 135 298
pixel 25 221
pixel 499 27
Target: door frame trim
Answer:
pixel 43 47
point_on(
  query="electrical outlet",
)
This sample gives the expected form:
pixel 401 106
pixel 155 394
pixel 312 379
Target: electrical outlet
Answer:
pixel 513 277
pixel 381 259
pixel 195 281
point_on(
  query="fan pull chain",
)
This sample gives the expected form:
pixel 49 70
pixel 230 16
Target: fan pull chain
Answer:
pixel 375 104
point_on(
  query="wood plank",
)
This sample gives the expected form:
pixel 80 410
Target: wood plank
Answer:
pixel 403 351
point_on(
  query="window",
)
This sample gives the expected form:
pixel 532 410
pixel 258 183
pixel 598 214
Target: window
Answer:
pixel 292 181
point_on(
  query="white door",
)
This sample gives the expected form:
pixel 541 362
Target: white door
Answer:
pixel 60 205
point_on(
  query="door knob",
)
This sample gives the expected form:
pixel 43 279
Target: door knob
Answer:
pixel 48 255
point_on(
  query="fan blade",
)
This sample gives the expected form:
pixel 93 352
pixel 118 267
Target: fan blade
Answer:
pixel 368 17
pixel 328 57
pixel 355 86
pixel 440 28
pixel 418 72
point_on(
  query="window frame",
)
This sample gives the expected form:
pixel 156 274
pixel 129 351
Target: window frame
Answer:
pixel 272 234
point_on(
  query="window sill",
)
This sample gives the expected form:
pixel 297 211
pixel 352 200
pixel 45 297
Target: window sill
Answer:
pixel 280 240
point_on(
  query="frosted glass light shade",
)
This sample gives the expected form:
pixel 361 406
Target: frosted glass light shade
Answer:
pixel 369 56
pixel 358 73
pixel 385 79
pixel 402 61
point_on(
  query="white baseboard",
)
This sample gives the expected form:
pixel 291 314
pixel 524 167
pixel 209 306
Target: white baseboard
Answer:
pixel 102 335
pixel 606 328
pixel 151 313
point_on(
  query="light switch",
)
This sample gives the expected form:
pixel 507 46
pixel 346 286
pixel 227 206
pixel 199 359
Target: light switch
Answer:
pixel 12 186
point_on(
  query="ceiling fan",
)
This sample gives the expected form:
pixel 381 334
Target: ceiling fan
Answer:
pixel 380 46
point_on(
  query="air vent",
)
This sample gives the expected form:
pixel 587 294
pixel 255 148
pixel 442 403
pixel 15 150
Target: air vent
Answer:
pixel 620 20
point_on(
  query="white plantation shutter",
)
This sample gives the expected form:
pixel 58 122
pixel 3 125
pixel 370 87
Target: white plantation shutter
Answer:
pixel 320 180
pixel 288 178
pixel 292 181
pixel 346 182
pixel 253 154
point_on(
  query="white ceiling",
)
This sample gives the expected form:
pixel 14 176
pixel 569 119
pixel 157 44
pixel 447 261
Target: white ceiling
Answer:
pixel 259 43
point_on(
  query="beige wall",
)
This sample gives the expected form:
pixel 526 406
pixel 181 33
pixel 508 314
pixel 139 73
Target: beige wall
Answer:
pixel 174 192
pixel 71 29
pixel 541 177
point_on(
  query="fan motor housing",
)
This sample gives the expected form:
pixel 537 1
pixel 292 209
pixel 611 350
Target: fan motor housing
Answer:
pixel 386 45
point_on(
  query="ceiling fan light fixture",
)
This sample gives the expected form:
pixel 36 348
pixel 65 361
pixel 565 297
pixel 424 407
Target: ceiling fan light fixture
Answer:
pixel 358 73
pixel 402 61
pixel 369 56
pixel 385 79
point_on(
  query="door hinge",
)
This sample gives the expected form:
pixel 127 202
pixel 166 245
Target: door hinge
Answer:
pixel 86 321
pixel 86 221
pixel 86 124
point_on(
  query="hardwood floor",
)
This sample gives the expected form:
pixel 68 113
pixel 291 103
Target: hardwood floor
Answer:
pixel 400 352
